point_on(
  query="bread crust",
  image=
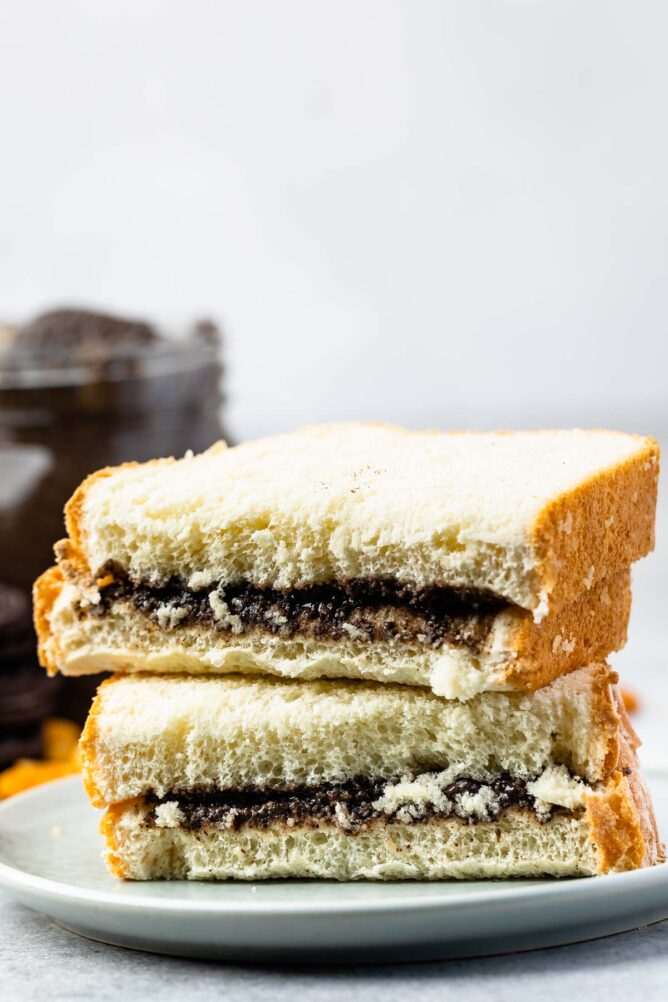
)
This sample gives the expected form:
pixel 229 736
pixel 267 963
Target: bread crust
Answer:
pixel 108 830
pixel 588 629
pixel 621 818
pixel 88 745
pixel 622 824
pixel 605 714
pixel 45 592
pixel 572 561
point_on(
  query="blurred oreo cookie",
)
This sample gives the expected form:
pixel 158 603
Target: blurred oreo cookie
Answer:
pixel 75 337
pixel 27 695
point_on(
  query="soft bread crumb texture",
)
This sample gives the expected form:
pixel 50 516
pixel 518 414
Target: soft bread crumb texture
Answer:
pixel 165 734
pixel 615 830
pixel 537 517
pixel 515 845
pixel 518 653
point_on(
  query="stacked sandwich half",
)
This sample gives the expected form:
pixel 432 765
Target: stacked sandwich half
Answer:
pixel 356 652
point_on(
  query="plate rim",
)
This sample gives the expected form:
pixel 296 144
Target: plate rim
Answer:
pixel 549 892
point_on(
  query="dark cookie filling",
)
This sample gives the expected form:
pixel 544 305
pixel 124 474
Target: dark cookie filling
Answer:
pixel 364 610
pixel 350 805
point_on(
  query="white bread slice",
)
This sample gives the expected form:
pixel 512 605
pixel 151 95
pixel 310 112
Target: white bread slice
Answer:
pixel 517 844
pixel 535 517
pixel 149 733
pixel 148 736
pixel 517 653
pixel 611 828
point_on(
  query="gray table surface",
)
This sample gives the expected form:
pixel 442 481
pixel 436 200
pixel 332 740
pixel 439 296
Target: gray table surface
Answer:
pixel 39 960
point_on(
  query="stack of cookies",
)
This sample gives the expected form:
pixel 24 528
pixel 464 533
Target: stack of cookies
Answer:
pixel 356 652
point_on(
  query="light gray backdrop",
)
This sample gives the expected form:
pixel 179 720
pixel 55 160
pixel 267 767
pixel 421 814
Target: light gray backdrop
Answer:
pixel 450 213
pixel 441 213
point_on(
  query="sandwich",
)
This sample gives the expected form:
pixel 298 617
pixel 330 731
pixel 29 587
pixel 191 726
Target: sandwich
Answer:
pixel 356 652
pixel 462 562
pixel 252 778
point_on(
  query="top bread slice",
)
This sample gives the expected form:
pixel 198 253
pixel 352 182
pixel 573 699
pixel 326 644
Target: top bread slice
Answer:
pixel 534 517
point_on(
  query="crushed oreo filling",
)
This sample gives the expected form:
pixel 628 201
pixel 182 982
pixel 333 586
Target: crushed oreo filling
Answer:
pixel 363 610
pixel 351 805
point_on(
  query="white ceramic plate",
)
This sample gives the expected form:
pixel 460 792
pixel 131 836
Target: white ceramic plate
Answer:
pixel 50 861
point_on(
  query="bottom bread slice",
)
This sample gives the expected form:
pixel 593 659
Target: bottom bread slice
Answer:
pixel 239 778
pixel 515 845
pixel 613 830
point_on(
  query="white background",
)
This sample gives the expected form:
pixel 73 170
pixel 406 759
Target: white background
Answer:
pixel 441 213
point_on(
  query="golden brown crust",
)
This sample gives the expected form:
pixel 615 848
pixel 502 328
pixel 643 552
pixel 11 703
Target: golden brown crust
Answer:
pixel 88 748
pixel 622 825
pixel 45 594
pixel 46 590
pixel 605 716
pixel 621 819
pixel 644 811
pixel 108 825
pixel 603 525
pixel 584 631
pixel 73 564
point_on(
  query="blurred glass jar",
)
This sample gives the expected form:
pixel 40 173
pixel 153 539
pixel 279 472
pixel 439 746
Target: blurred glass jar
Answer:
pixel 81 390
